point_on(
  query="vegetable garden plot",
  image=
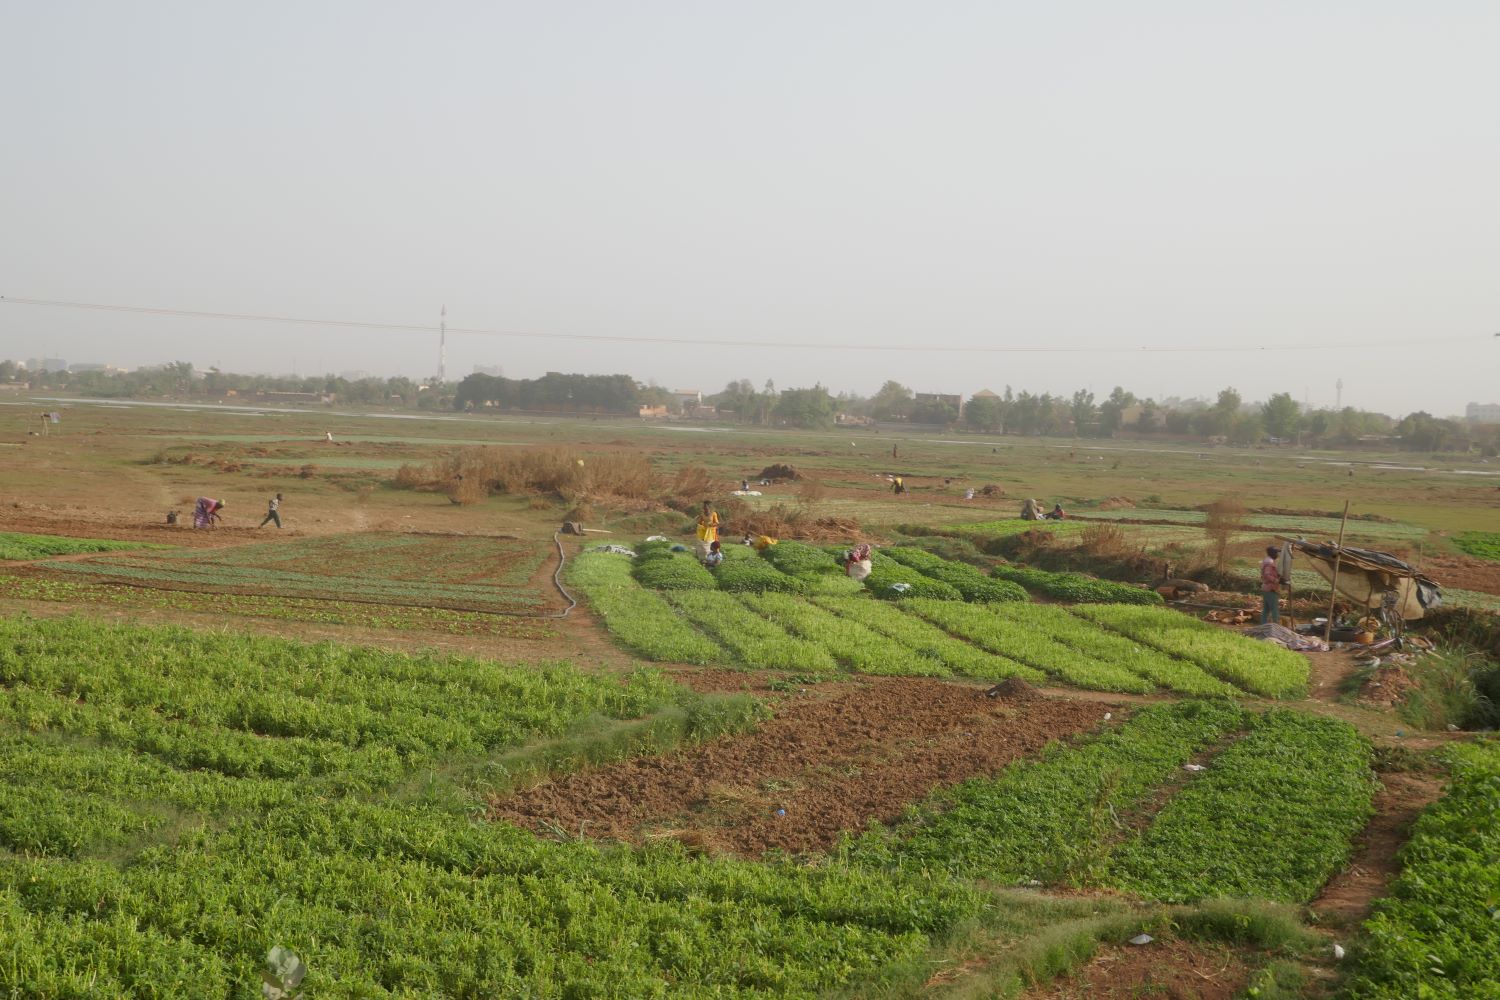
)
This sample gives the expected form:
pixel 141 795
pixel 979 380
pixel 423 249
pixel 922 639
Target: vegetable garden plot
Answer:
pixel 1075 588
pixel 641 620
pixel 926 639
pixel 1438 933
pixel 456 572
pixel 1272 817
pixel 1018 641
pixel 820 570
pixel 855 646
pixel 967 580
pixel 1260 667
pixel 1100 643
pixel 754 640
pixel 379 899
pixel 1050 820
pixel 14 545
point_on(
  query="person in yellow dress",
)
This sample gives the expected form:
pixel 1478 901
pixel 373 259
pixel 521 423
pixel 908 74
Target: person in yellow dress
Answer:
pixel 708 528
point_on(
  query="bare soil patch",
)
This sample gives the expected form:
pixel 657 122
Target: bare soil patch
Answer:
pixel 828 762
pixel 1347 897
pixel 1464 572
pixel 1175 969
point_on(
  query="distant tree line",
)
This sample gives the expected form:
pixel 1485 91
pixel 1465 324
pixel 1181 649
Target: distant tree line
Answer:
pixel 1228 417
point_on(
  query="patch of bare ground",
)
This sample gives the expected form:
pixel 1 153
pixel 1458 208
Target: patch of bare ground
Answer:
pixel 826 763
pixel 1347 897
pixel 1172 969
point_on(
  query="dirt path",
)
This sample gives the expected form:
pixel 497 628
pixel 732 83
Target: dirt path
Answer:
pixel 832 760
pixel 1347 897
pixel 1173 969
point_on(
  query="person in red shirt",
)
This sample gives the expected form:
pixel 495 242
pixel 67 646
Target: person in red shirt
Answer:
pixel 1270 587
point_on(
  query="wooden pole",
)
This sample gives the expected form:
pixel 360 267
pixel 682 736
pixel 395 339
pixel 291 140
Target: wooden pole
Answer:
pixel 1338 556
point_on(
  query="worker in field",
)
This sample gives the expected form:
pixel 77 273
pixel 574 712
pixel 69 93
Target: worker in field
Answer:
pixel 273 512
pixel 857 562
pixel 206 512
pixel 1270 587
pixel 898 485
pixel 1056 513
pixel 760 542
pixel 708 528
pixel 714 556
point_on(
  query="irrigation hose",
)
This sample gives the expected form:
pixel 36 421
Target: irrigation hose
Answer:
pixel 557 577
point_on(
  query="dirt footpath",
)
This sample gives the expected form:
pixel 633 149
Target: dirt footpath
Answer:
pixel 831 760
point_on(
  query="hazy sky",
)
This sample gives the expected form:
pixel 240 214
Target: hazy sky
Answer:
pixel 1100 175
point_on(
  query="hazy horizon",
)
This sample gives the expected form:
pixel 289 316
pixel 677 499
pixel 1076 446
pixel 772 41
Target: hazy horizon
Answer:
pixel 1167 175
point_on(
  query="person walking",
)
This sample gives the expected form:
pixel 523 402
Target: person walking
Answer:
pixel 273 512
pixel 1270 587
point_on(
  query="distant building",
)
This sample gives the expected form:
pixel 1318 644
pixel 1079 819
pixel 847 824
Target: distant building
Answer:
pixel 688 397
pixel 985 394
pixel 46 365
pixel 86 366
pixel 938 399
pixel 653 412
pixel 1483 413
pixel 493 370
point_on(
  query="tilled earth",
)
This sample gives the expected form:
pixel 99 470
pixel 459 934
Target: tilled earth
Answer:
pixel 832 760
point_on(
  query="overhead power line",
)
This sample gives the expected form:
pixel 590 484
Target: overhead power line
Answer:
pixel 921 347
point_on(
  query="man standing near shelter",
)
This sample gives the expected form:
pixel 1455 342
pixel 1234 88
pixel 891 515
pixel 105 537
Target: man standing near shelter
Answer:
pixel 1270 587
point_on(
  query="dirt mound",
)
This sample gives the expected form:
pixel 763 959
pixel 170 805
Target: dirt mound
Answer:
pixel 828 762
pixel 1387 686
pixel 780 472
pixel 1014 688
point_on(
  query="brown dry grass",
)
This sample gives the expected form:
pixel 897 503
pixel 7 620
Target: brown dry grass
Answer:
pixel 471 474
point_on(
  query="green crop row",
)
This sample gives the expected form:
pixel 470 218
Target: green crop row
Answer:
pixel 322 611
pixel 1262 667
pixel 1272 817
pixel 383 901
pixel 640 619
pixel 890 580
pixel 1101 644
pixel 1006 527
pixel 968 581
pixel 754 640
pixel 1020 642
pixel 666 570
pixel 1480 544
pixel 1437 935
pixel 820 570
pixel 1075 588
pixel 1052 819
pixel 855 646
pixel 926 639
pixel 756 576
pixel 14 545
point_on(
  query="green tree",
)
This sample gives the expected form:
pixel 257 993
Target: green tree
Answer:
pixel 1281 415
pixel 984 413
pixel 1112 411
pixel 806 407
pixel 892 402
pixel 1081 410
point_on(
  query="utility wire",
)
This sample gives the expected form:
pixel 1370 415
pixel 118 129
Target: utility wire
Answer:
pixel 796 345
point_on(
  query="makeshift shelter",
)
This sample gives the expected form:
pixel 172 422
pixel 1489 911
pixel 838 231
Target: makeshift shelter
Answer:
pixel 1372 579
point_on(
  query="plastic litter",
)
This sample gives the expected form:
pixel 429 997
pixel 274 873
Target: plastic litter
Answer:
pixel 1194 767
pixel 658 538
pixel 900 588
pixel 1142 939
pixel 1338 951
pixel 1108 716
pixel 618 550
pixel 781 812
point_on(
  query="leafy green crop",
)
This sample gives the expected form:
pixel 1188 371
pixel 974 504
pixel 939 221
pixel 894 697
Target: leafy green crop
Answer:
pixel 968 581
pixel 1262 667
pixel 854 645
pixel 754 640
pixel 640 619
pixel 886 573
pixel 14 545
pixel 673 571
pixel 1049 820
pixel 926 639
pixel 1018 641
pixel 820 570
pixel 1437 934
pixel 1480 544
pixel 756 576
pixel 1076 588
pixel 1271 817
pixel 1102 644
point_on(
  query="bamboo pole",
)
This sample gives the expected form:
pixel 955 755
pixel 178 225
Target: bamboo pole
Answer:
pixel 1338 556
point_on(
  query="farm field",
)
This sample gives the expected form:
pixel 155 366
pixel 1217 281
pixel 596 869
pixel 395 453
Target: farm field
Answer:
pixel 866 796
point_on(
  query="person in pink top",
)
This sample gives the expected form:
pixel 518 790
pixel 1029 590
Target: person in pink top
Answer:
pixel 1270 587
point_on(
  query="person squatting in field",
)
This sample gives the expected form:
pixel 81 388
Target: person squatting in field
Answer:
pixel 715 555
pixel 857 562
pixel 206 512
pixel 273 512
